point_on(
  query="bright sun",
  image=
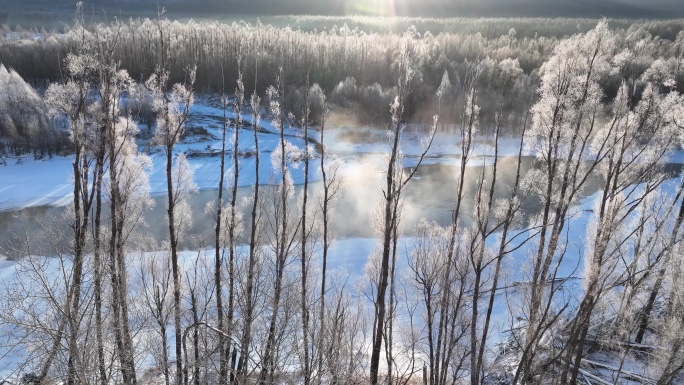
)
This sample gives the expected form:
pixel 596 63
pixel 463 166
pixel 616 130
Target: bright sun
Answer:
pixel 408 8
pixel 371 7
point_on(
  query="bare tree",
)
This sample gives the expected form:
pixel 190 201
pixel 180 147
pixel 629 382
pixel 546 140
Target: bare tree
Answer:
pixel 155 280
pixel 304 245
pixel 563 122
pixel 72 99
pixel 637 141
pixel 282 227
pixel 492 216
pixel 330 185
pixel 248 292
pixel 395 182
pixel 173 107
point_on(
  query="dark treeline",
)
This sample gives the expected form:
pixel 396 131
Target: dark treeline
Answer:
pixel 338 57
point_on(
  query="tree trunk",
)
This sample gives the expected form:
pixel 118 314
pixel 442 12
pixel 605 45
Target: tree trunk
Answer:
pixel 218 260
pixel 173 244
pixel 249 287
pixel 304 256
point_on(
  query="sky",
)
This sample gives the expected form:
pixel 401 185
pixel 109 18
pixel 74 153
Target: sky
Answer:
pixel 547 8
pixel 467 8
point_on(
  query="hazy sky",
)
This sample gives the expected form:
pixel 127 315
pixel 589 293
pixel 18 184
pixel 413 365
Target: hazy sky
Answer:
pixel 558 8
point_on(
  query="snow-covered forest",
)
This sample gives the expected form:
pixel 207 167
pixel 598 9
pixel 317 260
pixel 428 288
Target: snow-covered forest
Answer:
pixel 552 256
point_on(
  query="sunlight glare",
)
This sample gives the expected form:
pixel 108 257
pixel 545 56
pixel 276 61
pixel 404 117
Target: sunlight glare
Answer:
pixel 371 7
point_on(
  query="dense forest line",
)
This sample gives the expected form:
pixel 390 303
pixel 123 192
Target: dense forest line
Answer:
pixel 596 305
pixel 356 69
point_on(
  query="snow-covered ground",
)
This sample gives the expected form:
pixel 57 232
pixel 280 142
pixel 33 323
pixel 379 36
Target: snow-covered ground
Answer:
pixel 26 182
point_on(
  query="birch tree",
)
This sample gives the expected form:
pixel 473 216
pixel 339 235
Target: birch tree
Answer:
pixel 72 99
pixel 638 142
pixel 283 229
pixel 253 258
pixel 172 104
pixel 563 123
pixel 395 182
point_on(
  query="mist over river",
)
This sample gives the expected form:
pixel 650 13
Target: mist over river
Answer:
pixel 431 195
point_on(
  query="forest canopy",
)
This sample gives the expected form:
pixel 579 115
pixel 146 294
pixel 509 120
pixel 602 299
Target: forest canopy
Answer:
pixel 357 68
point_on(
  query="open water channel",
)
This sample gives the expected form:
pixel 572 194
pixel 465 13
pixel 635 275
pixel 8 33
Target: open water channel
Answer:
pixel 431 195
